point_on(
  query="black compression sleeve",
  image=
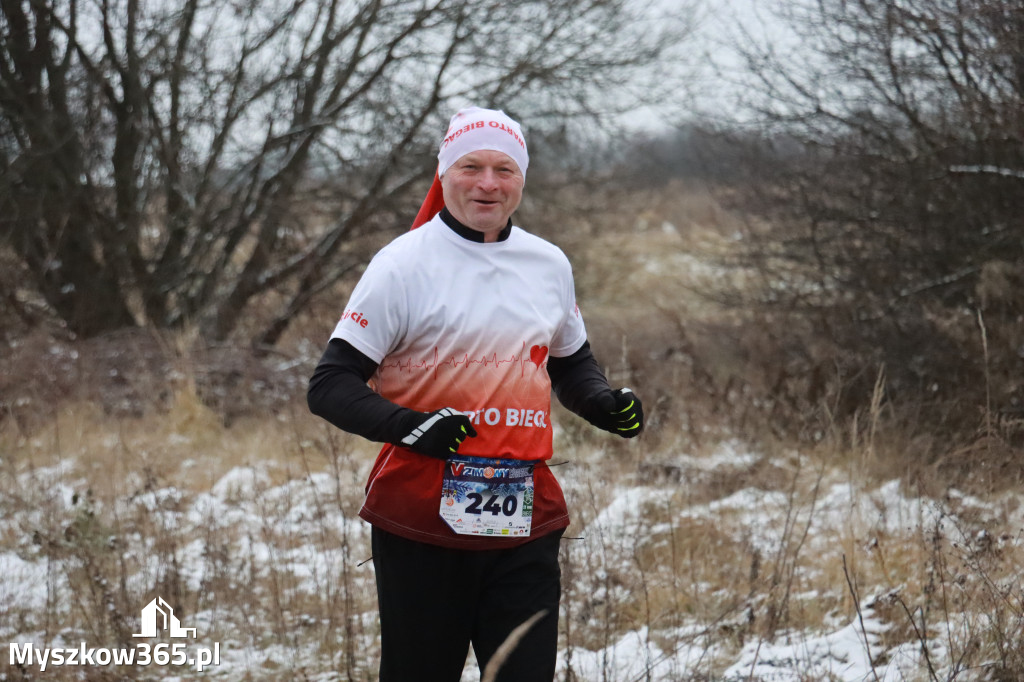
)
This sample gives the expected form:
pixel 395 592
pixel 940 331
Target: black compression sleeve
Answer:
pixel 577 380
pixel 338 392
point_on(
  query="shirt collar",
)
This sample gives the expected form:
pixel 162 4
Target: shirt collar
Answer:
pixel 468 232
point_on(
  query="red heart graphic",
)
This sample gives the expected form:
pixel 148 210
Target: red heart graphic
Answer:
pixel 537 354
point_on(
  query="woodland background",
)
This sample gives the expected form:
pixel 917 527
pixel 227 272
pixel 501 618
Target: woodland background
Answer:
pixel 798 236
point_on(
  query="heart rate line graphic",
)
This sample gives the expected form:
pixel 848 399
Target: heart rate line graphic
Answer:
pixel 537 355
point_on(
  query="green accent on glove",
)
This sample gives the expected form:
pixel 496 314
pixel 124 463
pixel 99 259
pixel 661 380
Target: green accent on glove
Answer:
pixel 620 412
pixel 440 433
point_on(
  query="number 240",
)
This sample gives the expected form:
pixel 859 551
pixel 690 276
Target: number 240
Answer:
pixel 507 507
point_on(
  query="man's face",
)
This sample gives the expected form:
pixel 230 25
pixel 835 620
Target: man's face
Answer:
pixel 482 190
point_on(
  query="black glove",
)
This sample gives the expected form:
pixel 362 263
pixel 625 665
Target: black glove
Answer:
pixel 619 412
pixel 440 433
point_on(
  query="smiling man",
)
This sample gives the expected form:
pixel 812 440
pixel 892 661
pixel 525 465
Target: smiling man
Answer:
pixel 482 190
pixel 447 353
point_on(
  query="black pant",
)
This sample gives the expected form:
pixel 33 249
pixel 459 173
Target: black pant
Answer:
pixel 434 602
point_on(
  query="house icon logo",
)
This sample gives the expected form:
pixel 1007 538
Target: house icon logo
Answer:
pixel 158 615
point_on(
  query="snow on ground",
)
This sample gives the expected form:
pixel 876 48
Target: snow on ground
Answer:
pixel 852 651
pixel 300 527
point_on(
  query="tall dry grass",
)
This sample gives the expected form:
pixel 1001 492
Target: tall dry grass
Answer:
pixel 752 512
pixel 249 530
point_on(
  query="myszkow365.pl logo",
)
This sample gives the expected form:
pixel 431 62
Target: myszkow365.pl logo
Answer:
pixel 157 617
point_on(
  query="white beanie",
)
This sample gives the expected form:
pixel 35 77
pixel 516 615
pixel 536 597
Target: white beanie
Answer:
pixel 474 129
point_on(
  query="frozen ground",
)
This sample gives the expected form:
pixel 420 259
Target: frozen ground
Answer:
pixel 295 554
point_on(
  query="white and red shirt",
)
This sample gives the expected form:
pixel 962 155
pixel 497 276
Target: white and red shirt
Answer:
pixel 468 325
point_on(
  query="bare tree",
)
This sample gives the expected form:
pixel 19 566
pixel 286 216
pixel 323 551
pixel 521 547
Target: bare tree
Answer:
pixel 887 149
pixel 165 162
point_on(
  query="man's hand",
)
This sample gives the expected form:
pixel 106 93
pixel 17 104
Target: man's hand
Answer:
pixel 440 434
pixel 619 412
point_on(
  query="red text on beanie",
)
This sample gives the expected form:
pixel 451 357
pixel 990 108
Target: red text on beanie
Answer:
pixel 474 129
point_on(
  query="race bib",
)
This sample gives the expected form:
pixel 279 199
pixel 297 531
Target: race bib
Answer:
pixel 487 496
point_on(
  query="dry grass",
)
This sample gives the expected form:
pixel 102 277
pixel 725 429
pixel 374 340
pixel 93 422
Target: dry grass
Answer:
pixel 149 466
pixel 249 529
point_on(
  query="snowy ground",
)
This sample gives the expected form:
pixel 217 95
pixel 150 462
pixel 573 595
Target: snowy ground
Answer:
pixel 270 561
